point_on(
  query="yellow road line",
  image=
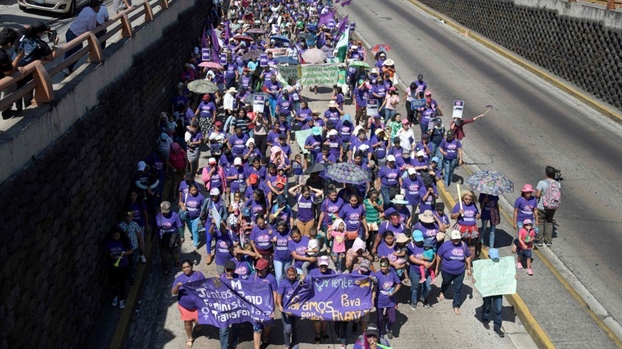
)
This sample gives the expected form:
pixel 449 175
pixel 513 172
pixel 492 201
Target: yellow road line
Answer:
pixel 595 104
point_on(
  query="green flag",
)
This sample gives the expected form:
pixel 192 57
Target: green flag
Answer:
pixel 342 46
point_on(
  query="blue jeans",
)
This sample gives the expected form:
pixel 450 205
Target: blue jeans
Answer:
pixel 193 226
pixel 424 127
pixel 272 106
pixel 290 327
pixel 69 35
pixel 491 238
pixel 494 303
pixel 449 165
pixel 417 288
pixel 457 279
pixel 386 196
pixel 439 155
pixel 280 268
pixel 388 114
pixel 223 333
pixel 208 236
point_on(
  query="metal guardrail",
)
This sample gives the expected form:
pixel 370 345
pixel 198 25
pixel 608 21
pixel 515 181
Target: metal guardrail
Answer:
pixel 41 82
pixel 609 4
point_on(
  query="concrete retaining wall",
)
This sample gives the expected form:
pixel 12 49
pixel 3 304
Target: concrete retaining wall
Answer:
pixel 577 42
pixel 55 212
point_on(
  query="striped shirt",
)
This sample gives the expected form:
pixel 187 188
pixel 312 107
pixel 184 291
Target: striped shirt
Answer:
pixel 132 230
pixel 371 213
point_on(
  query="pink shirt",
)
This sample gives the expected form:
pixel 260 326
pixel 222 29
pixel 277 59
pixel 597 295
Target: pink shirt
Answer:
pixel 339 241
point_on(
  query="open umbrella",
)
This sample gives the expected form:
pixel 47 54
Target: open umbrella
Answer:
pixel 314 55
pixel 202 86
pixel 241 37
pixel 212 65
pixel 490 182
pixel 279 38
pixel 306 36
pixel 380 48
pixel 347 172
pixel 251 54
pixel 316 168
pixel 255 31
pixel 359 64
pixel 249 99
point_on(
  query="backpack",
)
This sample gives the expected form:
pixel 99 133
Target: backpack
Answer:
pixel 552 196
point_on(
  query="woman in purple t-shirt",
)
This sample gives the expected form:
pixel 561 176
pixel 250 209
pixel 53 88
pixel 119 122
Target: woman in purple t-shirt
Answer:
pixel 305 220
pixel 297 248
pixel 466 216
pixel 261 239
pixel 185 304
pixel 282 256
pixel 388 286
pixel 117 247
pixel 353 214
pixel 453 258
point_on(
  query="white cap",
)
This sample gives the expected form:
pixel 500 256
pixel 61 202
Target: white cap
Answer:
pixel 237 162
pixel 141 165
pixel 455 235
pixel 211 161
pixel 411 170
pixel 390 158
pixel 333 133
pixel 363 147
pixel 214 192
pixel 250 140
pixel 374 71
pixel 324 260
pixel 420 153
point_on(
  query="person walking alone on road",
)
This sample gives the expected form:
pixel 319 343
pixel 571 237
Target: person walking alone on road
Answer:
pixel 548 195
pixel 86 21
pixel 493 303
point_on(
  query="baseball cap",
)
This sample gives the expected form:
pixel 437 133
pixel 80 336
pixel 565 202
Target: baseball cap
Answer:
pixel 364 265
pixel 420 153
pixel 427 93
pixel 214 192
pixel 428 243
pixel 455 235
pixel 246 212
pixel 404 122
pixel 493 254
pixel 281 199
pixel 237 162
pixel 211 161
pixel 261 264
pixel 165 207
pixel 333 133
pixel 372 330
pixel 253 178
pixel 417 235
pixel 323 260
pixel 390 158
pixel 527 222
pixel 218 123
pixel 435 159
pixel 141 165
pixel 411 171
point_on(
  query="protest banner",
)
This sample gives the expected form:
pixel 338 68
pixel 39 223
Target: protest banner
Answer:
pixel 458 107
pixel 495 278
pixel 288 72
pixel 417 103
pixel 319 74
pixel 259 103
pixel 222 302
pixel 277 52
pixel 301 137
pixel 342 297
pixel 372 107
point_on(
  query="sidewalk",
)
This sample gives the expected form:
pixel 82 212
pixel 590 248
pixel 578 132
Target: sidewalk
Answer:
pixel 156 323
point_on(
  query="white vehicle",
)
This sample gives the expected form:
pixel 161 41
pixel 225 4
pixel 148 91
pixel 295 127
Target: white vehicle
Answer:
pixel 67 7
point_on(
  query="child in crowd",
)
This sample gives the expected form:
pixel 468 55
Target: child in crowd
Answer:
pixel 525 243
pixel 313 249
pixel 236 205
pixel 401 257
pixel 428 256
pixel 338 235
pixel 394 125
pixel 439 211
pixel 298 167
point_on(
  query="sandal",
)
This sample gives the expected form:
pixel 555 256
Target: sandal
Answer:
pixel 189 342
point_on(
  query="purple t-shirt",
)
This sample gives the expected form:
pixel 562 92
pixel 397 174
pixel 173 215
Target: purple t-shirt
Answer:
pixel 315 142
pixel 335 143
pixel 332 115
pixel 427 204
pixel 282 252
pixel 305 208
pixel 451 148
pixel 453 257
pixel 411 188
pixel 429 230
pixel 193 205
pixel 388 226
pixel 386 285
pixel 183 298
pixel 414 250
pixel 468 217
pixel 384 251
pixel 330 209
pixel 137 209
pixel 345 131
pixel 286 289
pixel 352 216
pixel 269 278
pixel 115 247
pixel 261 172
pixel 404 212
pixel 262 237
pixel 389 176
pixel 224 242
pixel 207 110
pixel 168 225
pixel 525 208
pixel 238 144
pixel 241 179
pixel 300 248
pixel 243 268
pixel 318 272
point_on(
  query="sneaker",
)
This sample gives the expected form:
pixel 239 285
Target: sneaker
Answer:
pixel 413 307
pixel 122 305
pixel 519 265
pixel 422 280
pixel 529 271
pixel 549 244
pixel 486 323
pixel 115 301
pixel 426 305
pixel 142 258
pixel 539 243
pixel 500 333
pixel 390 334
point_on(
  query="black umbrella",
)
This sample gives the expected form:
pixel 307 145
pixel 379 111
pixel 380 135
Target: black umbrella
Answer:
pixel 316 168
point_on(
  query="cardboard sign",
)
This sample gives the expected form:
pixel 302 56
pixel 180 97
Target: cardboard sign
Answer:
pixel 263 60
pixel 206 54
pixel 259 104
pixel 458 107
pixel 417 103
pixel 372 107
pixel 223 58
pixel 495 278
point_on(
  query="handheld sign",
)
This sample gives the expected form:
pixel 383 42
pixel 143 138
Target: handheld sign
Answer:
pixel 223 59
pixel 206 55
pixel 495 278
pixel 458 107
pixel 417 103
pixel 259 104
pixel 372 107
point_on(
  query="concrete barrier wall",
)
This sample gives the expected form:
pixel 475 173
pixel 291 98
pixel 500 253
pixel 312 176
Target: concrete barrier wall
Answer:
pixel 55 212
pixel 577 42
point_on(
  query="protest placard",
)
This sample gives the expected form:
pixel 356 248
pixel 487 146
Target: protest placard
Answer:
pixel 342 297
pixel 222 302
pixel 417 103
pixel 277 52
pixel 495 278
pixel 458 107
pixel 372 107
pixel 206 55
pixel 319 74
pixel 259 104
pixel 301 137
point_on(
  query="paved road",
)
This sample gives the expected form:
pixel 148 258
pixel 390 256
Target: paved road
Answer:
pixel 157 323
pixel 532 125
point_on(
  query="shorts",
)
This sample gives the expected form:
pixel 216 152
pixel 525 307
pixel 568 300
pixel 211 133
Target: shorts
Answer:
pixel 188 315
pixel 372 226
pixel 467 231
pixel 525 253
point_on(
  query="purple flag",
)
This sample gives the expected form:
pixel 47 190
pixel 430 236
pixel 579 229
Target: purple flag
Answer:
pixel 342 25
pixel 227 31
pixel 222 302
pixel 204 39
pixel 215 46
pixel 324 18
pixel 342 297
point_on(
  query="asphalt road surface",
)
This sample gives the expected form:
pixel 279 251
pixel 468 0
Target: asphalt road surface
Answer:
pixel 531 126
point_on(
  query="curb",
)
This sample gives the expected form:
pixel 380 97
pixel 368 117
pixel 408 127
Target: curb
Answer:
pixel 122 329
pixel 593 103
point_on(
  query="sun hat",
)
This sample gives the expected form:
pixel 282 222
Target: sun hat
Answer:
pixel 527 188
pixel 417 235
pixel 232 89
pixel 455 235
pixel 401 238
pixel 427 217
pixel 388 62
pixel 378 131
pixel 333 104
pixel 316 131
pixel 165 207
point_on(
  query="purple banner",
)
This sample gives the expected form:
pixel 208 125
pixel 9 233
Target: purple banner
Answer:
pixel 225 302
pixel 325 17
pixel 343 297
